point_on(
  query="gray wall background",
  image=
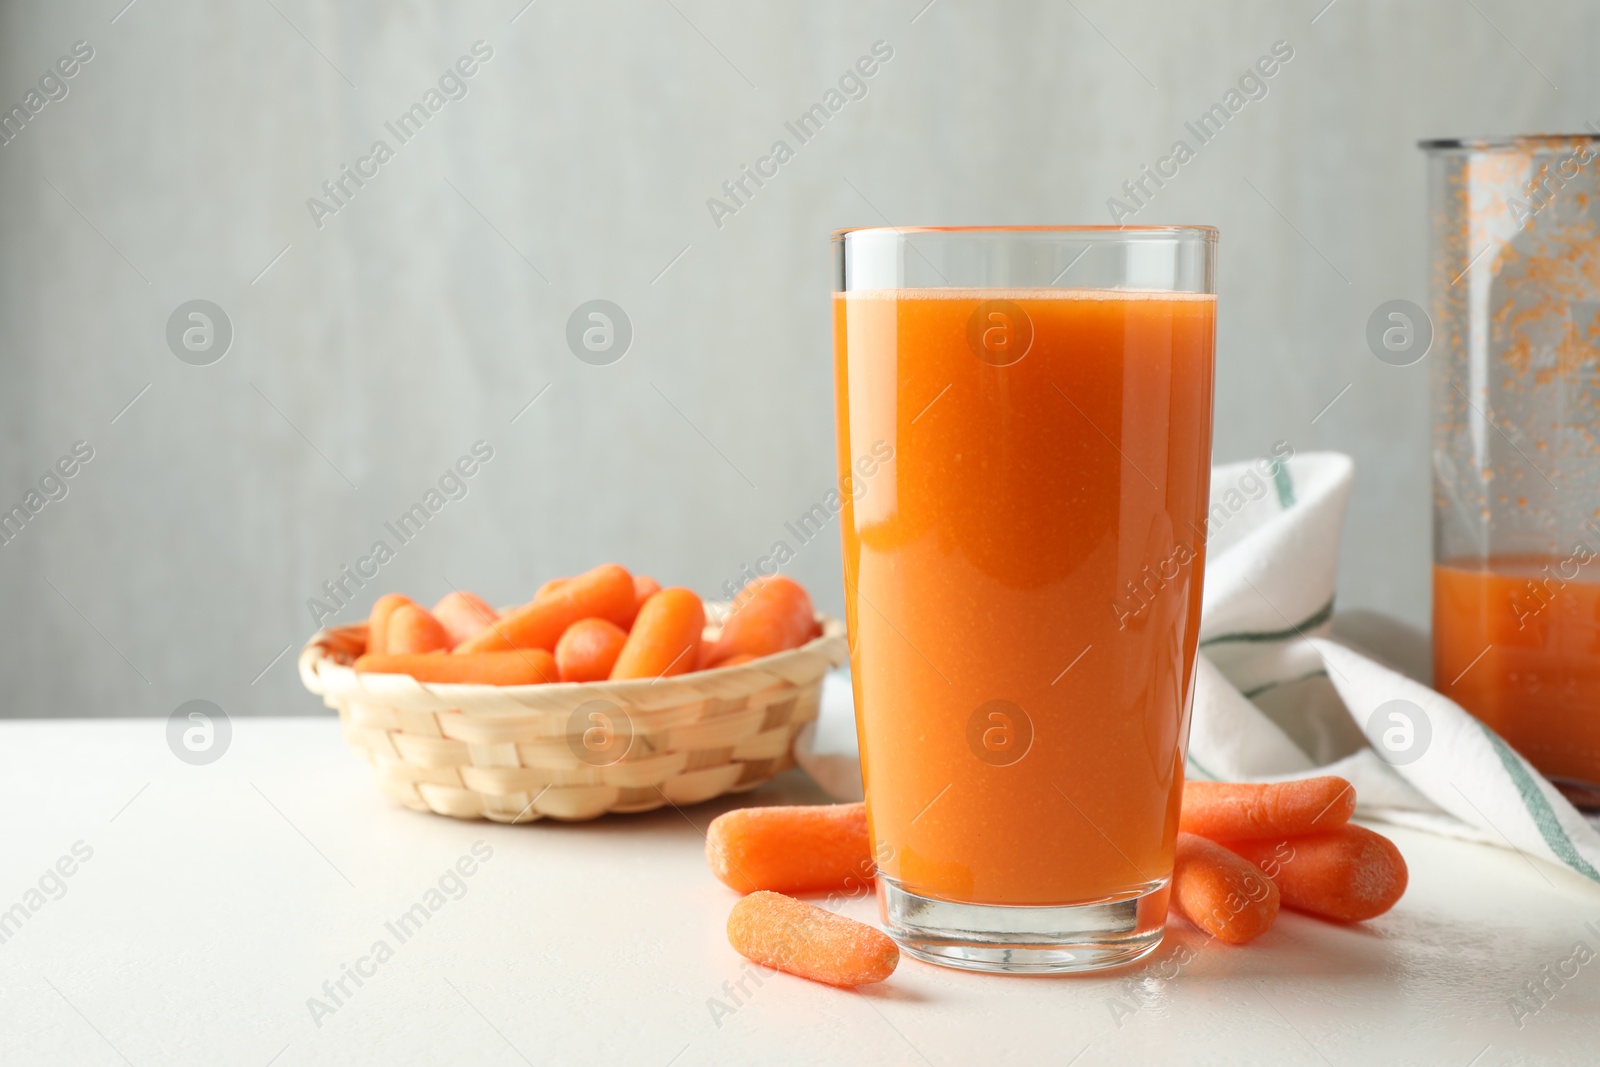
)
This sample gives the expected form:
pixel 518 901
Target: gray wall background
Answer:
pixel 427 313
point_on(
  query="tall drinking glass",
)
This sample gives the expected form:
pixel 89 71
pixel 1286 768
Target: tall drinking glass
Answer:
pixel 1024 425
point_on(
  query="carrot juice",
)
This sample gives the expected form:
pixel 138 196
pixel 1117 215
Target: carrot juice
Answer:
pixel 1516 641
pixel 1022 582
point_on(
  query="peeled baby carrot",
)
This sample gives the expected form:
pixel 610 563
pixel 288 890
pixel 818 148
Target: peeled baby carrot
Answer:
pixel 589 649
pixel 738 661
pixel 1220 892
pixel 1226 811
pixel 1348 873
pixel 463 615
pixel 644 587
pixel 523 666
pixel 803 939
pixel 799 849
pixel 548 587
pixel 412 629
pixel 603 593
pixel 378 621
pixel 770 615
pixel 665 639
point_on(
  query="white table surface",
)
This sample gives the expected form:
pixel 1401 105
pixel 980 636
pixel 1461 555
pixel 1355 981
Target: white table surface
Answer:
pixel 218 899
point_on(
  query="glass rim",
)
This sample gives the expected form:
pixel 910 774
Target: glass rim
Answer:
pixel 1524 142
pixel 1206 233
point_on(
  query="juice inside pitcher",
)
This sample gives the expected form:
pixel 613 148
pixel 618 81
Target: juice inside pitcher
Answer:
pixel 1518 644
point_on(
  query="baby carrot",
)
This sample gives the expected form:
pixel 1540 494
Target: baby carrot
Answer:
pixel 665 638
pixel 378 621
pixel 463 615
pixel 1225 811
pixel 644 587
pixel 803 939
pixel 1221 893
pixel 603 593
pixel 738 661
pixel 524 666
pixel 1348 873
pixel 770 615
pixel 589 649
pixel 413 629
pixel 548 587
pixel 799 849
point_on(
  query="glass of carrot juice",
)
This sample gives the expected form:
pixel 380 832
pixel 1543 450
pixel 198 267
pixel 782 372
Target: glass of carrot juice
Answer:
pixel 1024 431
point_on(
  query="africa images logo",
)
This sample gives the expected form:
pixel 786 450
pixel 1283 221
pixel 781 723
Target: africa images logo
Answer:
pixel 738 191
pixel 1252 85
pixel 453 85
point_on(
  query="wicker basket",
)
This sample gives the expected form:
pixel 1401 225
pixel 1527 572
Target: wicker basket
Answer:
pixel 572 750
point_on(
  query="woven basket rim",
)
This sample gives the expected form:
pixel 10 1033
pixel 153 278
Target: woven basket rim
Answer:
pixel 326 673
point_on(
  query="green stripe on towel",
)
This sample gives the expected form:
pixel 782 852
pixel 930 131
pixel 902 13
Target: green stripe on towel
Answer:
pixel 1284 482
pixel 1317 618
pixel 1258 690
pixel 1544 817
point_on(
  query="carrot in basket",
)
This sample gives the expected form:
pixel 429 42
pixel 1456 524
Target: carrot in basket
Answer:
pixel 644 587
pixel 463 615
pixel 1226 811
pixel 1220 892
pixel 665 638
pixel 791 849
pixel 803 939
pixel 603 593
pixel 589 649
pixel 523 666
pixel 378 621
pixel 771 614
pixel 703 661
pixel 1348 873
pixel 413 629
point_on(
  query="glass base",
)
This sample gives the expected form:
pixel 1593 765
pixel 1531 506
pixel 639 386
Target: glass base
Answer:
pixel 1024 940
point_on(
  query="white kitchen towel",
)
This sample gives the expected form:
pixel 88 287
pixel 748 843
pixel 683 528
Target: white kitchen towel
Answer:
pixel 1285 690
